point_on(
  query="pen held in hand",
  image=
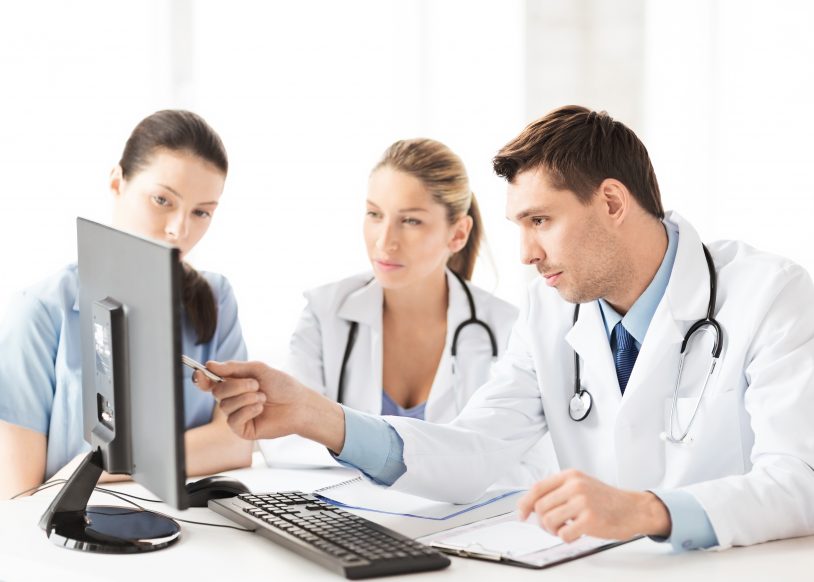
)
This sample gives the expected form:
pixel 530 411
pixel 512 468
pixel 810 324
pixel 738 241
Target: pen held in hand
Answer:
pixel 200 367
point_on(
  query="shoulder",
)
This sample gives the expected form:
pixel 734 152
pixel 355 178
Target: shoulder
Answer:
pixel 221 288
pixel 743 266
pixel 54 296
pixel 36 317
pixel 496 307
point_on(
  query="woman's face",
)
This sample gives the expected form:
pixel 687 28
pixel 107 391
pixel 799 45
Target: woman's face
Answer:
pixel 407 233
pixel 172 199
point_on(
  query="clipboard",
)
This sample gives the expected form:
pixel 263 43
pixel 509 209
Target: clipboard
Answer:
pixel 507 540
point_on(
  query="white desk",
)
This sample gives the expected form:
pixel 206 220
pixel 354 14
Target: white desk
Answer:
pixel 209 553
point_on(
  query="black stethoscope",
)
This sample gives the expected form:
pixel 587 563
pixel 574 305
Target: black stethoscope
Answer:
pixel 581 402
pixel 473 320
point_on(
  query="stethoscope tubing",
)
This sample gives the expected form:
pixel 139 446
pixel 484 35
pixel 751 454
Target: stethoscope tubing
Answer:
pixel 581 402
pixel 473 320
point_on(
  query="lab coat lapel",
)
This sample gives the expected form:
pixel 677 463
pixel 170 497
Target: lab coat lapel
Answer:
pixel 364 306
pixel 443 393
pixel 589 340
pixel 684 302
pixel 688 290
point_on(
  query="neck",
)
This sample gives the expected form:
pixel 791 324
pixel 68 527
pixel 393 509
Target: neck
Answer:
pixel 644 255
pixel 427 298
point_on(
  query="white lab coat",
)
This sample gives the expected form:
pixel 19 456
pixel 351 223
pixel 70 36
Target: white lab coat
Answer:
pixel 750 462
pixel 318 346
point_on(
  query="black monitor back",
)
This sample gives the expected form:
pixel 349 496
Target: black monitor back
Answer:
pixel 132 386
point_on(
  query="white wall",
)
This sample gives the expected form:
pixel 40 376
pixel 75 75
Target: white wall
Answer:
pixel 307 94
pixel 75 78
pixel 728 118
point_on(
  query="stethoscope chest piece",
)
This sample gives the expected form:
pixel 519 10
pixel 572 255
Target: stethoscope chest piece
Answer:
pixel 580 405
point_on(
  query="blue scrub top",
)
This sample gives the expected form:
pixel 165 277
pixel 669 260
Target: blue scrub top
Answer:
pixel 390 408
pixel 41 362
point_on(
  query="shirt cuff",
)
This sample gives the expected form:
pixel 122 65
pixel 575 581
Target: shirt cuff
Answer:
pixel 372 446
pixel 692 529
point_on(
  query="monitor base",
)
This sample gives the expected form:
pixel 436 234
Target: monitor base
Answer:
pixel 114 530
pixel 70 523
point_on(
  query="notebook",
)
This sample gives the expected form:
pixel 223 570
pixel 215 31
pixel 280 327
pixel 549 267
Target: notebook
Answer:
pixel 360 493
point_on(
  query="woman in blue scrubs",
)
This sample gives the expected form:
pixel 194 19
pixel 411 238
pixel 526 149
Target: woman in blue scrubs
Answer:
pixel 166 187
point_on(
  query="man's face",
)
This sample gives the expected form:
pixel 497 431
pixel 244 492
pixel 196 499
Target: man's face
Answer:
pixel 571 244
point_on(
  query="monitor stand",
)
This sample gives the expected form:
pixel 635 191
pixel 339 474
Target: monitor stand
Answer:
pixel 69 521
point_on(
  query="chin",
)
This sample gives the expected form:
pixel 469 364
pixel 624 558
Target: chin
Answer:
pixel 388 282
pixel 575 296
pixel 391 280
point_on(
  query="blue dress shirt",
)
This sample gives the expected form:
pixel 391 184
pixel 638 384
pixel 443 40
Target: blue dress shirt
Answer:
pixel 41 362
pixel 374 447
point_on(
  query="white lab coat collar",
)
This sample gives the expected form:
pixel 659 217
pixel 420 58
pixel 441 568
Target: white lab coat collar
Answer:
pixel 688 290
pixel 364 306
pixel 444 384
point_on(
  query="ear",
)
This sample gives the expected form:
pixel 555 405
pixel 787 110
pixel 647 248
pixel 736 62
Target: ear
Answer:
pixel 615 198
pixel 460 233
pixel 116 180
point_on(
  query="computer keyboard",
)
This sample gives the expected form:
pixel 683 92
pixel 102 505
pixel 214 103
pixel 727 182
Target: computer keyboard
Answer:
pixel 337 539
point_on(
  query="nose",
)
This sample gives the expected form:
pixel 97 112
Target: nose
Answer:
pixel 531 252
pixel 176 227
pixel 387 239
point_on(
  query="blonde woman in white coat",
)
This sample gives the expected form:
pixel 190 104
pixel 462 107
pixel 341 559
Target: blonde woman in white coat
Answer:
pixel 383 342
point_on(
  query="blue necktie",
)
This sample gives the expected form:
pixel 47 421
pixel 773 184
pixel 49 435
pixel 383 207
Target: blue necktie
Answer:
pixel 624 354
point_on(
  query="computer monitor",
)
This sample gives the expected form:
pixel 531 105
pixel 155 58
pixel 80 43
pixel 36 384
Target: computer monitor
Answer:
pixel 132 391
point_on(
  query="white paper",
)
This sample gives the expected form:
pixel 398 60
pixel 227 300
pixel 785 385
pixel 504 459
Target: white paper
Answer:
pixel 265 480
pixel 508 538
pixel 295 452
pixel 362 494
pixel 523 541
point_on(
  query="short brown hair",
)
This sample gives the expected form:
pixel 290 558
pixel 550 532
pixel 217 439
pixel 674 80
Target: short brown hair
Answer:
pixel 579 148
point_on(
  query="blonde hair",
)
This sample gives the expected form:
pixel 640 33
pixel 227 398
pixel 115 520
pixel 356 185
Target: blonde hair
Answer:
pixel 444 175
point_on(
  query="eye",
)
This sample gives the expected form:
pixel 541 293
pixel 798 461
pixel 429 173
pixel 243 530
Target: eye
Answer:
pixel 539 220
pixel 372 214
pixel 202 213
pixel 161 200
pixel 411 221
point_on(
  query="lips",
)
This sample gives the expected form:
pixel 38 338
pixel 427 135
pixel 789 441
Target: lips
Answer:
pixel 387 265
pixel 552 278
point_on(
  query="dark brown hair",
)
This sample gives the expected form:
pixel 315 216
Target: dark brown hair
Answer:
pixel 579 148
pixel 180 131
pixel 443 174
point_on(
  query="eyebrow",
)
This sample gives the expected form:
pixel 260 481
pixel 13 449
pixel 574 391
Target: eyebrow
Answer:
pixel 415 209
pixel 172 190
pixel 529 212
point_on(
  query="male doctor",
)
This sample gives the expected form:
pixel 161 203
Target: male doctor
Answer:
pixel 718 459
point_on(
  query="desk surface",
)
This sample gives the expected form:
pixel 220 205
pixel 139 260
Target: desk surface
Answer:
pixel 210 553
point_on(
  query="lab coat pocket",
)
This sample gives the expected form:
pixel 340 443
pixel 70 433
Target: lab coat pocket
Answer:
pixel 712 446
